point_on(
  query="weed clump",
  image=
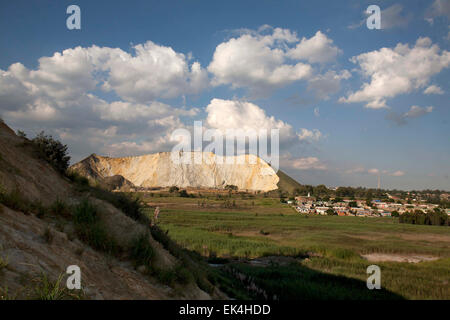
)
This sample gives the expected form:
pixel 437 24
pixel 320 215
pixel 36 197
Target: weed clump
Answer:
pixel 90 229
pixel 141 251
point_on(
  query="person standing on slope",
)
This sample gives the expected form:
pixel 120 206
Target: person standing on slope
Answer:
pixel 156 215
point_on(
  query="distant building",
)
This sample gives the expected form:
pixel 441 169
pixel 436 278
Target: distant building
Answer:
pixel 305 199
pixel 302 209
pixel 322 210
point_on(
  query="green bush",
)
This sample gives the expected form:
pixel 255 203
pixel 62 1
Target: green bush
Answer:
pixel 231 187
pixel 178 274
pixel 60 208
pixel 78 179
pixel 436 218
pixel 90 230
pixel 184 194
pixel 193 262
pixel 141 251
pixel 46 289
pixel 183 275
pixel 52 150
pixel 15 201
pixel 129 204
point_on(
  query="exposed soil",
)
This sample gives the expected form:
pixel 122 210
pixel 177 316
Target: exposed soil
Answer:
pixel 382 257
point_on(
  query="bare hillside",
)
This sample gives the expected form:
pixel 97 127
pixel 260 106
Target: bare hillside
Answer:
pixel 40 237
pixel 158 170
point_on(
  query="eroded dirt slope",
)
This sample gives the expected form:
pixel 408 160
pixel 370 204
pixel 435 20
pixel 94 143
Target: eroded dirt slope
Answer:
pixel 32 247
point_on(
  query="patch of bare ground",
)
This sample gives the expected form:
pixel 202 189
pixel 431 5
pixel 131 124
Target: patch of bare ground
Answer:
pixel 426 237
pixel 30 255
pixel 392 257
pixel 368 236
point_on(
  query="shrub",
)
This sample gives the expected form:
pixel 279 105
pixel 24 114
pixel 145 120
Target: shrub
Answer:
pixel 173 189
pixel 183 275
pixel 15 201
pixel 90 230
pixel 178 274
pixel 231 187
pixel 191 261
pixel 60 208
pixel 46 289
pixel 141 251
pixel 167 277
pixel 184 194
pixel 126 202
pixel 419 217
pixel 53 151
pixel 76 178
pixel 39 209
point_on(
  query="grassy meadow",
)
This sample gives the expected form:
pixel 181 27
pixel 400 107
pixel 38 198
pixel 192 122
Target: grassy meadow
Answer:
pixel 329 247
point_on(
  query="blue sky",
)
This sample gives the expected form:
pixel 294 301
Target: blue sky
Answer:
pixel 333 131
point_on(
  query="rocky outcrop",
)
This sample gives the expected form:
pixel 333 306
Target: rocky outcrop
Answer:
pixel 247 172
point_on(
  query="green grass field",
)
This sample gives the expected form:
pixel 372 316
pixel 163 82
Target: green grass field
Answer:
pixel 260 227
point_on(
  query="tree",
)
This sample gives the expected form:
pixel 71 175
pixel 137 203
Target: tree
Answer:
pixel 173 189
pixel 184 194
pixel 231 187
pixel 395 213
pixel 53 151
pixel 331 212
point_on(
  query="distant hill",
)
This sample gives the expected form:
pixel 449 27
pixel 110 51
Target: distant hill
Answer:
pixel 286 183
pixel 158 170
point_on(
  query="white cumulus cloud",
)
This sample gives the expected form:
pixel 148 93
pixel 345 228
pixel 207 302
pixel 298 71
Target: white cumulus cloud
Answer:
pixel 397 71
pixel 235 114
pixel 433 89
pixel 302 163
pixel 264 61
pixel 63 94
pixel 317 49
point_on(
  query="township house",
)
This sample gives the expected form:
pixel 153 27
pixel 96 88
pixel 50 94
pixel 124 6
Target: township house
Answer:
pixel 322 210
pixel 305 204
pixel 305 199
pixel 341 211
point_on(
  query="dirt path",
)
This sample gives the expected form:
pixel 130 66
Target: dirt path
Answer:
pixel 381 257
